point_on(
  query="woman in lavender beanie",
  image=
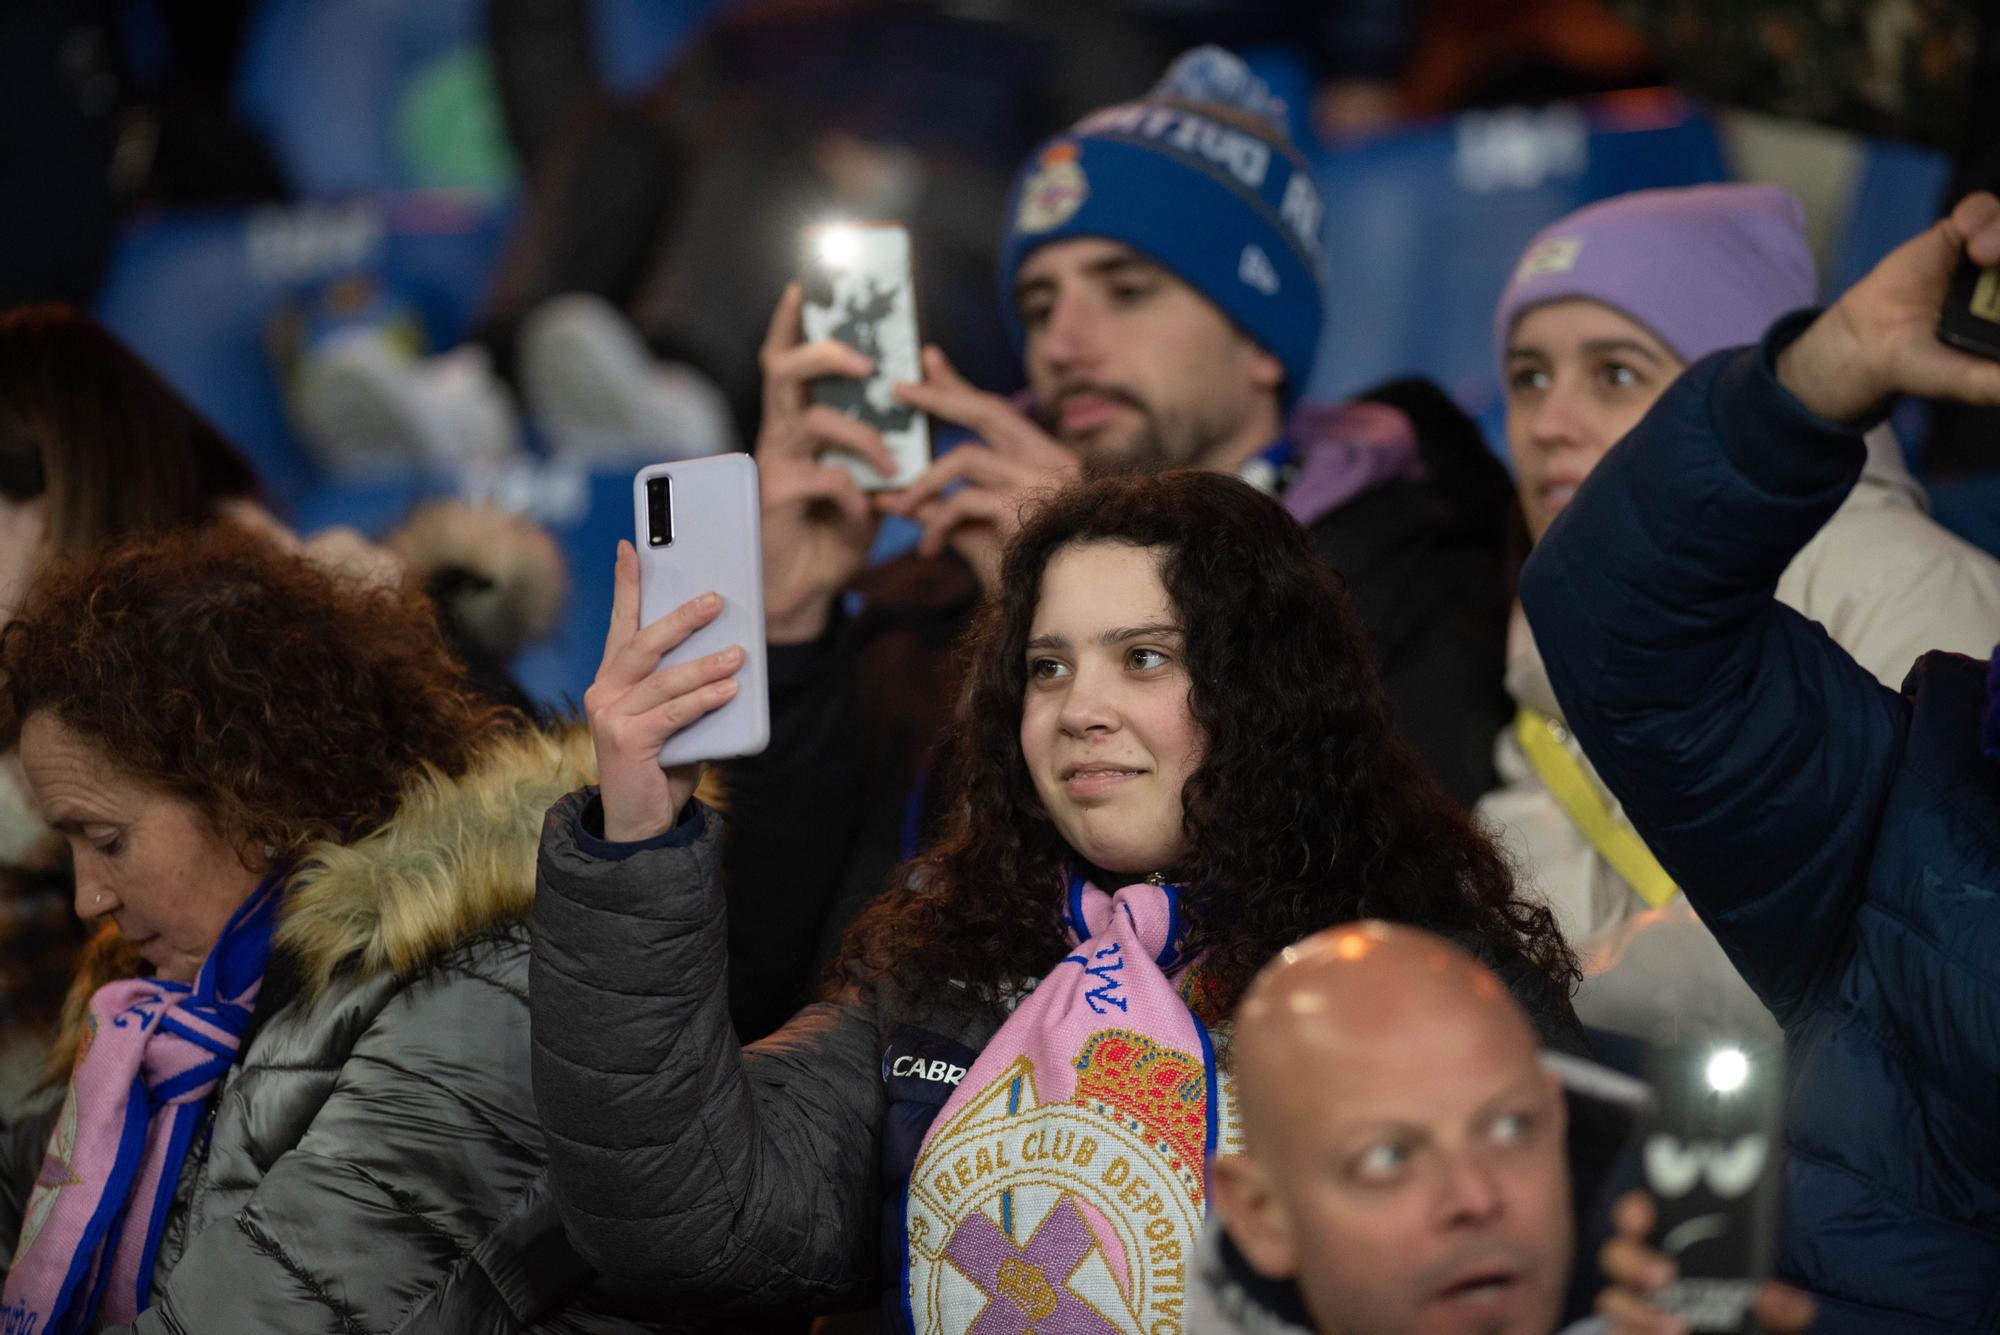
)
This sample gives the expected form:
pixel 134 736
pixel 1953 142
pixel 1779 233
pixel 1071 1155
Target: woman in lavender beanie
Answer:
pixel 1605 309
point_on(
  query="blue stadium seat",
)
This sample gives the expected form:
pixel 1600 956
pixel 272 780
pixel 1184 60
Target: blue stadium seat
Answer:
pixel 1424 226
pixel 591 512
pixel 1970 507
pixel 369 95
pixel 1900 193
pixel 1288 73
pixel 195 293
pixel 637 38
pixel 373 506
pixel 587 512
pixel 357 96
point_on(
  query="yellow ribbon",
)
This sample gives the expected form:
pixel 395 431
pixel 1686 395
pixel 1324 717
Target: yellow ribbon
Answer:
pixel 1584 802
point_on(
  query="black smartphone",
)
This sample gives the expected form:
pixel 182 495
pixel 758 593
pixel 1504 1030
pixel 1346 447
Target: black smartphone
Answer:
pixel 1712 1154
pixel 1970 317
pixel 860 288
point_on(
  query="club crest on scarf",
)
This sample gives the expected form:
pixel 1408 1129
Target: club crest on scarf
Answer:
pixel 56 1171
pixel 1061 1189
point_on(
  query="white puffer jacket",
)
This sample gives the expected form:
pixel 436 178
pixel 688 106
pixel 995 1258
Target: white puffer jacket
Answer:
pixel 1888 584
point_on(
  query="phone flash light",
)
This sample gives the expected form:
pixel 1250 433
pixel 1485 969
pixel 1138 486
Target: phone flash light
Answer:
pixel 1727 1070
pixel 838 246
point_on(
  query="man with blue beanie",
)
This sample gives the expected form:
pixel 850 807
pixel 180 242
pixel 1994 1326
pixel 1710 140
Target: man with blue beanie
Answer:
pixel 1161 272
pixel 1198 180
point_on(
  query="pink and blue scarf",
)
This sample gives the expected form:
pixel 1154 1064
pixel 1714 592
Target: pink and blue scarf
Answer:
pixel 153 1053
pixel 1062 1186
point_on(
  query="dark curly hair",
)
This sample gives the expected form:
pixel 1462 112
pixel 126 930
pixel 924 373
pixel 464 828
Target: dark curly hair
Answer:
pixel 1305 811
pixel 287 705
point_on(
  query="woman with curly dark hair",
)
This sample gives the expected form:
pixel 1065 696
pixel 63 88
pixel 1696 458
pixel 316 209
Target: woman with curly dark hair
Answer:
pixel 291 1089
pixel 1304 810
pixel 1015 1077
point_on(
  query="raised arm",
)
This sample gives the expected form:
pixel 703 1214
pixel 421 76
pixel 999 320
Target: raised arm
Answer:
pixel 711 1174
pixel 705 1173
pixel 1750 751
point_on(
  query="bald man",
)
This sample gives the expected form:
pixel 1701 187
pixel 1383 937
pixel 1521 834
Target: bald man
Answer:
pixel 1404 1167
pixel 1404 1163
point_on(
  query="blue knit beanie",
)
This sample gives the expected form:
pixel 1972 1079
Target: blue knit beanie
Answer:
pixel 1233 212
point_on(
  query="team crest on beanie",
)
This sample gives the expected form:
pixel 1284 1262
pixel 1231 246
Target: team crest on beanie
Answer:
pixel 1702 267
pixel 1055 192
pixel 1556 255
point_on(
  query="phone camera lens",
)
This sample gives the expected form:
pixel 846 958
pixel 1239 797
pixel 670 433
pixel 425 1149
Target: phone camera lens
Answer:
pixel 659 513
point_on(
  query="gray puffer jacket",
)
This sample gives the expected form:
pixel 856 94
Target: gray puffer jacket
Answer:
pixel 751 1183
pixel 764 1178
pixel 374 1162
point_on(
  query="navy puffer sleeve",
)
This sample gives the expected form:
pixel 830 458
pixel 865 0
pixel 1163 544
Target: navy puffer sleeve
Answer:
pixel 1752 753
pixel 693 1169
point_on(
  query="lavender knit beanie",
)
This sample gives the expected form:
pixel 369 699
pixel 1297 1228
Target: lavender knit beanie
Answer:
pixel 1704 267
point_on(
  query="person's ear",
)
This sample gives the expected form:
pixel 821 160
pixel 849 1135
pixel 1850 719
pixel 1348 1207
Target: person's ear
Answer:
pixel 255 855
pixel 1253 1215
pixel 1266 372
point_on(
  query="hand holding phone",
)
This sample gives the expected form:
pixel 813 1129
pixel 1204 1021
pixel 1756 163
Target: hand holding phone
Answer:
pixel 1969 320
pixel 697 534
pixel 1712 1154
pixel 682 679
pixel 975 498
pixel 1880 339
pixel 1637 1271
pixel 818 526
pixel 632 709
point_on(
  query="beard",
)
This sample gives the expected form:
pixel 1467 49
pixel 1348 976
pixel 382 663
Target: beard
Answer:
pixel 1160 439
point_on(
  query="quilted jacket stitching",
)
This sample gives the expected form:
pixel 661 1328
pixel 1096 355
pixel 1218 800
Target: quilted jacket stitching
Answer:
pixel 270 1247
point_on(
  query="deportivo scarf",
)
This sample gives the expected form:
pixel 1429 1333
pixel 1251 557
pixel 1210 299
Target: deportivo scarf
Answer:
pixel 1061 1189
pixel 153 1052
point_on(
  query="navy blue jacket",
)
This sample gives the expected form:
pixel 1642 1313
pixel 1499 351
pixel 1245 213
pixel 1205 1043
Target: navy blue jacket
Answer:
pixel 1841 840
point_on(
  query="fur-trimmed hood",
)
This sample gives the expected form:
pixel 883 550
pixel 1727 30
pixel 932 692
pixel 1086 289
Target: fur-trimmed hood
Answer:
pixel 500 575
pixel 457 860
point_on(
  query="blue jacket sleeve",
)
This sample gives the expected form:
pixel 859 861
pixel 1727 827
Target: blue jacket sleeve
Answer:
pixel 1751 752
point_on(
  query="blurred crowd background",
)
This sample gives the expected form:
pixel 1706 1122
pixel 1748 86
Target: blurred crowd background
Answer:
pixel 233 184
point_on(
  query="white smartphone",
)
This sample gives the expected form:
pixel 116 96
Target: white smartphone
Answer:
pixel 861 290
pixel 695 525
